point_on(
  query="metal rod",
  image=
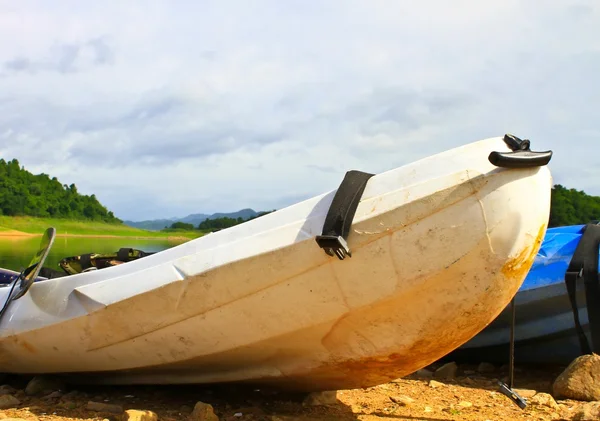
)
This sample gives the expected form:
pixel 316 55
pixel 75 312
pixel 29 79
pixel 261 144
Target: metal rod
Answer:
pixel 511 360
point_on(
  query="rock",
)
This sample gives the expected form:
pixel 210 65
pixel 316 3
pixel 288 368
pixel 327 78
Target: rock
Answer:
pixel 526 393
pixel 447 371
pixel 580 380
pixel 424 373
pixel 53 395
pixel 328 397
pixel 104 407
pixel 543 399
pixel 402 400
pixel 588 412
pixel 68 397
pixel 465 404
pixel 6 389
pixel 43 384
pixel 203 412
pixel 486 368
pixel 137 415
pixel 8 401
pixel 14 419
pixel 435 384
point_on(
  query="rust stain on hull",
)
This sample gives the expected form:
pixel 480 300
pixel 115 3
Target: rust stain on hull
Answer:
pixel 518 267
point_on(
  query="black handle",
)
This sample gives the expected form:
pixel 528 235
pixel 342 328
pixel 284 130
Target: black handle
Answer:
pixel 520 159
pixel 521 156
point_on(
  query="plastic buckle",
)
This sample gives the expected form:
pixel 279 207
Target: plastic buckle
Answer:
pixel 512 395
pixel 334 245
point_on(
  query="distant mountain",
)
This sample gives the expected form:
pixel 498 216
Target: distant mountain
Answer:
pixel 195 219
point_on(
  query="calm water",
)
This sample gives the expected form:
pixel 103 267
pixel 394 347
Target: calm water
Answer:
pixel 16 252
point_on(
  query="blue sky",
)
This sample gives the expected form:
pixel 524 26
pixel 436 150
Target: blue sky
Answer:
pixel 168 108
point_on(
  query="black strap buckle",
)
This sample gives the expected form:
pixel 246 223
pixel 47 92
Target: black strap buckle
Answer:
pixel 512 395
pixel 334 245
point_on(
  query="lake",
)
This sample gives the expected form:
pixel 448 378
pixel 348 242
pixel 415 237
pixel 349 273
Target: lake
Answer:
pixel 16 252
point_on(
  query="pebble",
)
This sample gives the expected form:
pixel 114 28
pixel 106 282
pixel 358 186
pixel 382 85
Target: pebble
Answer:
pixel 203 412
pixel 424 373
pixel 53 395
pixel 526 393
pixel 435 384
pixel 104 407
pixel 447 371
pixel 465 404
pixel 543 399
pixel 138 415
pixel 402 400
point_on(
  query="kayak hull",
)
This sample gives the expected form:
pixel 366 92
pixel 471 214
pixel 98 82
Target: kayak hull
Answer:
pixel 439 247
pixel 545 328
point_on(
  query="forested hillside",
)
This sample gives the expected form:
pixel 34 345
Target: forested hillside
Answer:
pixel 23 193
pixel 572 207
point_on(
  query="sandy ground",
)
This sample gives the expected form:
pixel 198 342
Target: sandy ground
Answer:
pixel 469 396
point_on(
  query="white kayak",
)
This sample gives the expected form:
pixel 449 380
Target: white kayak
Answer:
pixel 438 249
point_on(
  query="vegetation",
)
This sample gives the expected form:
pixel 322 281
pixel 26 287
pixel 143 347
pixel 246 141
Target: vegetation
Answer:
pixel 572 207
pixel 34 225
pixel 23 193
pixel 182 226
pixel 225 222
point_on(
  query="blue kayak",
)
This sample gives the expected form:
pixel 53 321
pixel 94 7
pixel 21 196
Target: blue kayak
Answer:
pixel 545 328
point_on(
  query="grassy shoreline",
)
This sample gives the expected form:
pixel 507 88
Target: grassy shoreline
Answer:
pixel 25 226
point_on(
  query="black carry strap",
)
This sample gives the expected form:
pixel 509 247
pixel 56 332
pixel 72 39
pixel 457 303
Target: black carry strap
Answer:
pixel 584 264
pixel 341 212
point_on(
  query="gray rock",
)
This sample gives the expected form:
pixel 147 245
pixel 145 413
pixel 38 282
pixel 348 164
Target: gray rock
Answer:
pixel 424 373
pixel 104 407
pixel 580 380
pixel 69 397
pixel 8 401
pixel 588 412
pixel 54 395
pixel 43 384
pixel 203 412
pixel 486 368
pixel 328 397
pixel 447 371
pixel 137 415
pixel 6 389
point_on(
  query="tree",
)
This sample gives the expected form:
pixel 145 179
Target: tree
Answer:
pixel 23 193
pixel 572 207
pixel 182 225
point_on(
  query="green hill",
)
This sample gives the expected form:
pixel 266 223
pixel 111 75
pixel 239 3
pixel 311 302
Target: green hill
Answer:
pixel 25 194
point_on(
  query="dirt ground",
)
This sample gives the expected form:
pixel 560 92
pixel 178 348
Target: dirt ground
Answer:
pixel 469 396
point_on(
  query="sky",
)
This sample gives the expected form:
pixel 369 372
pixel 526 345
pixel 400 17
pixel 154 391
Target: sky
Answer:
pixel 166 108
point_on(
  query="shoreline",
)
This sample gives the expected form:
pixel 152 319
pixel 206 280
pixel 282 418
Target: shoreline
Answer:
pixel 20 234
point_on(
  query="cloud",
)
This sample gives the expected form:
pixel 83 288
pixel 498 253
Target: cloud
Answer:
pixel 225 105
pixel 65 58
